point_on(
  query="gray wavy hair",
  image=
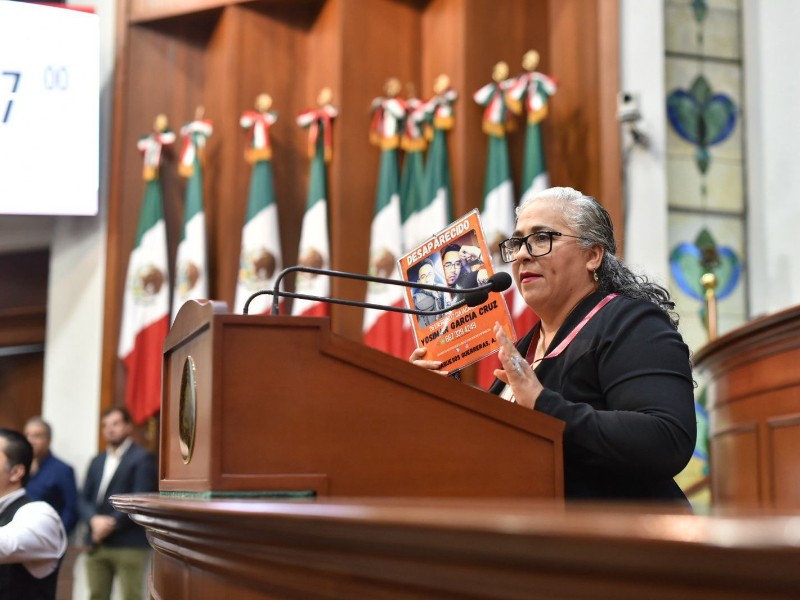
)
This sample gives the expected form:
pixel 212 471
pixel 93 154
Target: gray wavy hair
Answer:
pixel 589 220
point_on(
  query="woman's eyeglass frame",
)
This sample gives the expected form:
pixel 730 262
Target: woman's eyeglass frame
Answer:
pixel 510 247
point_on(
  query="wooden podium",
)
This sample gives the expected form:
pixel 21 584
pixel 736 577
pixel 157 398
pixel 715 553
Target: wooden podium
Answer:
pixel 754 411
pixel 262 405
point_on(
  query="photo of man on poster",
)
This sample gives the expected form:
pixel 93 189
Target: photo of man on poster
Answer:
pixel 429 300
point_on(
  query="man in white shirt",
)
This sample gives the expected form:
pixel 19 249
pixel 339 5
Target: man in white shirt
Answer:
pixel 32 537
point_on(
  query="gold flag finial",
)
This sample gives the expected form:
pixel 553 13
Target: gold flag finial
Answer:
pixel 500 71
pixel 263 102
pixel 530 60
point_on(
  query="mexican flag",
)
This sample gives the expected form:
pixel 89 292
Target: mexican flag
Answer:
pixel 535 89
pixel 498 216
pixel 434 213
pixel 411 200
pixel 384 330
pixel 260 259
pixel 498 221
pixel 145 312
pixel 191 263
pixel 534 174
pixel 314 240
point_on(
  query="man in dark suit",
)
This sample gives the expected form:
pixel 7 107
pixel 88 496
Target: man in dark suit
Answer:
pixel 52 480
pixel 118 545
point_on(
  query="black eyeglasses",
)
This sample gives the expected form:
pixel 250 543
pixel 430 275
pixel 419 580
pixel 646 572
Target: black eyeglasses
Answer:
pixel 537 243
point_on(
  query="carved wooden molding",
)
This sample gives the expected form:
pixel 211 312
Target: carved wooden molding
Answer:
pixel 366 548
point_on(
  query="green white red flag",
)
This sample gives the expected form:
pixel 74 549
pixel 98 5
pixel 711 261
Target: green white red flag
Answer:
pixel 412 177
pixel 260 259
pixel 498 214
pixel 314 248
pixel 145 310
pixel 191 261
pixel 434 213
pixel 534 89
pixel 384 330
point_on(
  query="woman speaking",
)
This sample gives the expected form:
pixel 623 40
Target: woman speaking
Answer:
pixel 606 357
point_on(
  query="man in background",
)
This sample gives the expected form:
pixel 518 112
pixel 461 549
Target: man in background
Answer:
pixel 118 545
pixel 51 479
pixel 32 537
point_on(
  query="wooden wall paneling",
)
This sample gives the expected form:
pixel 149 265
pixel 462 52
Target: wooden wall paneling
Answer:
pixel 21 381
pixel 443 35
pixel 739 483
pixel 573 29
pixel 161 71
pixel 783 468
pixel 494 31
pixel 23 316
pixel 23 297
pixel 165 75
pixel 221 54
pixel 24 279
pixel 222 193
pixel 608 158
pixel 110 367
pixel 258 49
pixel 23 326
pixel 585 57
pixel 442 31
pixel 376 44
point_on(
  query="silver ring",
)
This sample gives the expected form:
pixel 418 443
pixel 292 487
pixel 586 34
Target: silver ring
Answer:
pixel 518 361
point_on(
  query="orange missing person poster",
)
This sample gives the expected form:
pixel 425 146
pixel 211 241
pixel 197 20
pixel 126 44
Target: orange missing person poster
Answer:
pixel 457 258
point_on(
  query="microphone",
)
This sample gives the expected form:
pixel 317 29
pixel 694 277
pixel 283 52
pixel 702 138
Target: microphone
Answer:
pixel 499 282
pixel 472 296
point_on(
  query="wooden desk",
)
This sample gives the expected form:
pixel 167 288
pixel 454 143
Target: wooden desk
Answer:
pixel 447 548
pixel 754 411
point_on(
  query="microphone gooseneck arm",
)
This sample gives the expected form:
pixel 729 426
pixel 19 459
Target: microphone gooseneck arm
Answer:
pixel 472 296
pixel 470 300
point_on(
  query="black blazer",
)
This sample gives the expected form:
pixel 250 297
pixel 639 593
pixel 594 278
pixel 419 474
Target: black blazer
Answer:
pixel 136 473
